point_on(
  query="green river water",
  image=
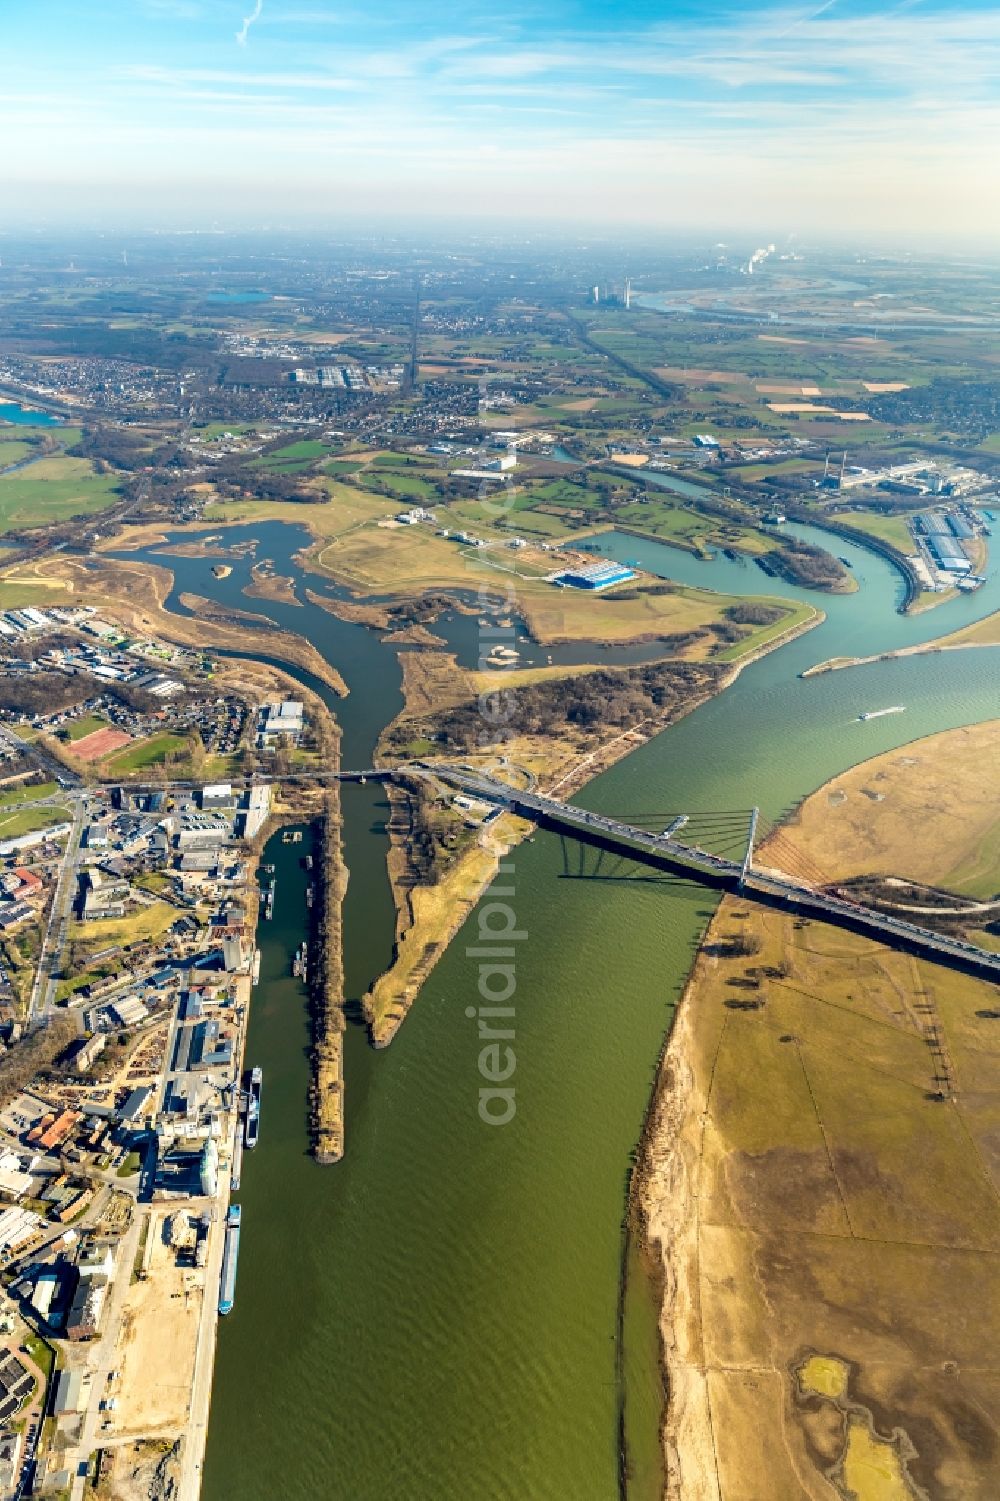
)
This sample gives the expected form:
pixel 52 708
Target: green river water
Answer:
pixel 435 1318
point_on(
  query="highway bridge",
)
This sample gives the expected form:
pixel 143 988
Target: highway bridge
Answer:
pixel 771 887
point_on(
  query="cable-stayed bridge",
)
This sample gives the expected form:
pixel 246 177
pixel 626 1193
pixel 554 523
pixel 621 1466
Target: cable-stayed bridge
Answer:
pixel 655 839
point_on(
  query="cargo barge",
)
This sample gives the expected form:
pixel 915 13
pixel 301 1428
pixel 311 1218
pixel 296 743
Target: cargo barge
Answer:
pixel 230 1256
pixel 300 963
pixel 237 1164
pixel 251 1127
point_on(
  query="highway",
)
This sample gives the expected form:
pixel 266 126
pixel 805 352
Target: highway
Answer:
pixel 769 886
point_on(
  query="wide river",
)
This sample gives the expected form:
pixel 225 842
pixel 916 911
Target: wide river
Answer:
pixel 435 1318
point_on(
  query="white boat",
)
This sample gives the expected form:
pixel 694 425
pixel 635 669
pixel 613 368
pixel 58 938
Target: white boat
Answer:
pixel 878 713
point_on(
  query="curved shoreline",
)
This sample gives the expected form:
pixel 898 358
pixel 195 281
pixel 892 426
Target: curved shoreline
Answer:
pixel 922 649
pixel 386 1010
pixel 666 1193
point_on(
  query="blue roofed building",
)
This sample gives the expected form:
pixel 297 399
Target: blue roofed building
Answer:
pixel 596 575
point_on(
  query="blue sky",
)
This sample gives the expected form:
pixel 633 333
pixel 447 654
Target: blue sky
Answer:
pixel 779 117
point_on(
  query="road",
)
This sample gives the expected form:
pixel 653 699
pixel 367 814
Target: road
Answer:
pixel 768 885
pixel 196 1434
pixel 57 928
pixel 101 1356
pixel 56 770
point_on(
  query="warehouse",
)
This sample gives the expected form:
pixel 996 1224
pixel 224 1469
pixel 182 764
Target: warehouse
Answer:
pixel 948 555
pixel 595 576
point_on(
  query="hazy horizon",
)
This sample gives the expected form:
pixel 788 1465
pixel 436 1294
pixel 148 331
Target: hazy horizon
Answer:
pixel 837 120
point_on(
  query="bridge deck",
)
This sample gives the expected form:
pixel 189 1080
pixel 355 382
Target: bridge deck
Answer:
pixel 718 871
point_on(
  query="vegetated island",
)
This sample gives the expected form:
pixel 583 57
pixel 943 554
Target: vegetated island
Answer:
pixel 326 1089
pixel 818 1180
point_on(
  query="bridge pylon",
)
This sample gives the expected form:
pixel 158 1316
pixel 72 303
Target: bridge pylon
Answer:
pixel 748 856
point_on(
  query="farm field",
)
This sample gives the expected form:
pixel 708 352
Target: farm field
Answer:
pixel 301 455
pixel 53 489
pixel 11 451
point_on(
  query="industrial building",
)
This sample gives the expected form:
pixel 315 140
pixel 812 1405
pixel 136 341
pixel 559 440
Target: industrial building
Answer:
pixel 253 814
pixel 16 1384
pixel 84 1317
pixel 278 721
pixel 217 795
pixel 595 576
pixel 948 554
pixel 69 1393
pixel 932 525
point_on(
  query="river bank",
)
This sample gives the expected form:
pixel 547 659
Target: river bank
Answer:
pixel 760 1183
pixel 428 915
pixel 984 633
pixel 386 1256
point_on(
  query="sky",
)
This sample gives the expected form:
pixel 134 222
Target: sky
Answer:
pixel 846 118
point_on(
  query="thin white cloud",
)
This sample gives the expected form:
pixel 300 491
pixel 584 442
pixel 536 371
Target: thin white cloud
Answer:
pixel 244 31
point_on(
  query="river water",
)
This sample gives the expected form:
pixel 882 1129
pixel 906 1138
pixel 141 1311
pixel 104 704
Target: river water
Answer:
pixel 435 1318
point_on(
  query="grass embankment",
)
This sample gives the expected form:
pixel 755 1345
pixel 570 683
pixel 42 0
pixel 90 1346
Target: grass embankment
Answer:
pixel 821 1095
pixel 427 918
pixel 891 529
pixel 326 1091
pixel 982 633
pixel 28 794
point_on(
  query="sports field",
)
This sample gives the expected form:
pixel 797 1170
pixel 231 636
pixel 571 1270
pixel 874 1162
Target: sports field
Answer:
pixel 100 743
pixel 145 753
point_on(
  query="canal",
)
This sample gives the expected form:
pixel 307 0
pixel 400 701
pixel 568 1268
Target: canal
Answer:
pixel 436 1317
